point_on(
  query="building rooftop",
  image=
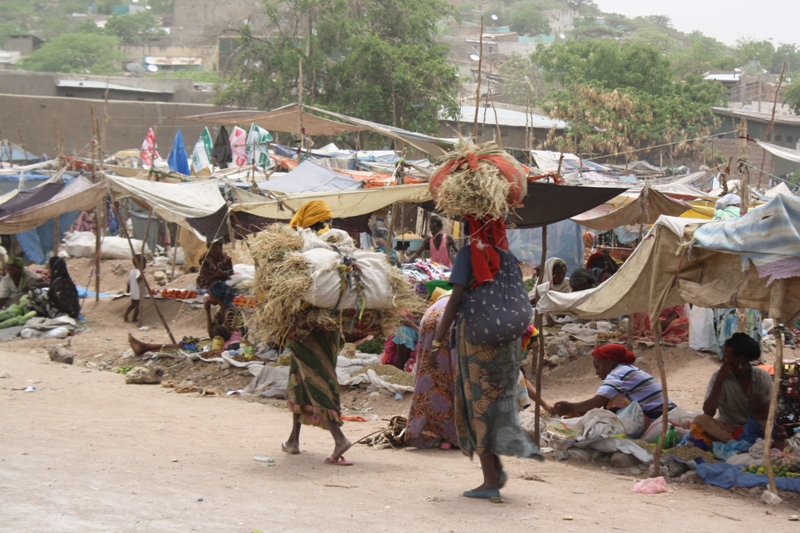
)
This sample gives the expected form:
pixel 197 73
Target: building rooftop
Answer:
pixel 765 117
pixel 723 76
pixel 94 84
pixel 509 117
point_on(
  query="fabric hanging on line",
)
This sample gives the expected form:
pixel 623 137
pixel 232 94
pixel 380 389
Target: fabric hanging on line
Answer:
pixel 221 153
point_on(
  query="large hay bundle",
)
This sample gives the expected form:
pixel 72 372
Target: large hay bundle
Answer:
pixel 482 181
pixel 285 280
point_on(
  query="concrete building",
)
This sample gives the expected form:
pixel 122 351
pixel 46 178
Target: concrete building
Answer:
pixel 514 124
pixel 561 20
pixel 24 44
pixel 94 87
pixel 785 133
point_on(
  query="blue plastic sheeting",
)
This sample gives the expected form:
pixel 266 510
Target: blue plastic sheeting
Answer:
pixel 13 153
pixel 564 240
pixel 37 243
pixel 83 292
pixel 310 177
pixel 10 182
pixel 727 476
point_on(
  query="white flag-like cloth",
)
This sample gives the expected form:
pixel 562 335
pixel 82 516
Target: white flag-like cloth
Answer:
pixel 148 152
pixel 201 155
pixel 257 148
pixel 238 149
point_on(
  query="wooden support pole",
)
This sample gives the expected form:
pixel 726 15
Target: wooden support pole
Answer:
pixel 175 251
pixel 146 284
pixel 478 89
pixel 540 355
pixel 56 236
pixel 775 304
pixel 665 414
pixel 146 232
pixel 390 224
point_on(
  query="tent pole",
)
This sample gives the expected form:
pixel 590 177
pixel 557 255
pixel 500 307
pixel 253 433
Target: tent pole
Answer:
pixel 775 304
pixel 146 284
pixel 390 225
pixel 146 233
pixel 540 355
pixel 478 89
pixel 665 409
pixel 175 251
pixel 56 237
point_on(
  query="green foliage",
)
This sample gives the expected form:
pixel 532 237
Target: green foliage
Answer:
pixel 201 76
pixel 792 97
pixel 786 53
pixel 606 63
pixel 656 38
pixel 78 53
pixel 376 60
pixel 522 81
pixel 621 97
pixel 702 54
pixel 134 29
pixel 750 51
pixel 161 7
pixel 528 20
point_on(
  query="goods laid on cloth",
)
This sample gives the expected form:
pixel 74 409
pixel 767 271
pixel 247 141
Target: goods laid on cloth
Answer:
pixel 16 315
pixel 482 181
pixel 304 281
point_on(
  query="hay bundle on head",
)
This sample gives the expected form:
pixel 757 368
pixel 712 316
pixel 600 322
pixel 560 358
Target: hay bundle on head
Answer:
pixel 482 181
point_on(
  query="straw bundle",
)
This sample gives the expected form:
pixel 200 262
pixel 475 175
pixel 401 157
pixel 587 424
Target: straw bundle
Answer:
pixel 482 181
pixel 283 279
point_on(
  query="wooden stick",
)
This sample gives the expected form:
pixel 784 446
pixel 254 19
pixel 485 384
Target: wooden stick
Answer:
pixel 665 414
pixel 775 303
pixel 540 364
pixel 146 232
pixel 175 251
pixel 478 90
pixel 144 279
pixel 768 136
pixel 56 231
pixel 390 224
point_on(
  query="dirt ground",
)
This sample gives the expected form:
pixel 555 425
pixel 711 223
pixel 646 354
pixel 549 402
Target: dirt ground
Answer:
pixel 86 452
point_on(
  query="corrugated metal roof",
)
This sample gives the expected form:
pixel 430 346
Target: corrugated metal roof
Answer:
pixel 508 117
pixel 92 84
pixel 723 76
pixel 789 120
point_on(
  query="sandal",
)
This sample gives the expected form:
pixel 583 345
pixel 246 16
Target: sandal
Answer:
pixel 341 461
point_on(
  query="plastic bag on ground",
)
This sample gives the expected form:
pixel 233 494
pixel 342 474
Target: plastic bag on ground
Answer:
pixel 652 485
pixel 680 418
pixel 596 423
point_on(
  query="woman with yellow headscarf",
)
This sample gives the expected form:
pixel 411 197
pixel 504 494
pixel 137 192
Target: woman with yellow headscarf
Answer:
pixel 313 390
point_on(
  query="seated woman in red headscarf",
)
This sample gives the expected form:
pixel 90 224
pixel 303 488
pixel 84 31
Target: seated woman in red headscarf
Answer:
pixel 622 384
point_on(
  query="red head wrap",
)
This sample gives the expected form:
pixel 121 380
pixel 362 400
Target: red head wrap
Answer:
pixel 615 352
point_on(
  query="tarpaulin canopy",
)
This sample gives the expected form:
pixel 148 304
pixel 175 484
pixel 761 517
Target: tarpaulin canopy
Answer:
pixel 11 153
pixel 664 271
pixel 343 204
pixel 310 177
pixel 24 210
pixel 780 151
pixel 780 188
pixel 547 203
pixel 626 210
pixel 286 119
pixel 172 202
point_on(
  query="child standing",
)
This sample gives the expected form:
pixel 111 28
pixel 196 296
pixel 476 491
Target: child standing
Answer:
pixel 135 288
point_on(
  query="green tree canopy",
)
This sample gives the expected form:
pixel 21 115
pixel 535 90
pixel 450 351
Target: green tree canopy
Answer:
pixel 379 61
pixel 786 53
pixel 528 20
pixel 606 63
pixel 792 97
pixel 136 28
pixel 76 52
pixel 750 50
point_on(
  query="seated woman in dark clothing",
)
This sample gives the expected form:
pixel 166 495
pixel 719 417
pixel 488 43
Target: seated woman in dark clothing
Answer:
pixel 215 265
pixel 228 322
pixel 62 296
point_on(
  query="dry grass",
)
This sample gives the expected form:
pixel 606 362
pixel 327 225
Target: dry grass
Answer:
pixel 482 193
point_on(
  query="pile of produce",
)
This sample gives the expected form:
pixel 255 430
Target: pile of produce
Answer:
pixel 482 181
pixel 241 300
pixel 180 294
pixel 285 285
pixel 782 466
pixel 15 315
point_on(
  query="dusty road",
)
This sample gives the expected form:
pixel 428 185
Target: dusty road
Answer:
pixel 86 452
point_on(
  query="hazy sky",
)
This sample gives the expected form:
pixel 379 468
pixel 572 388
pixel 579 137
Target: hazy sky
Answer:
pixel 726 20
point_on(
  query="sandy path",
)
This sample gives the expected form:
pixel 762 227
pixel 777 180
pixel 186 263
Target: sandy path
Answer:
pixel 86 452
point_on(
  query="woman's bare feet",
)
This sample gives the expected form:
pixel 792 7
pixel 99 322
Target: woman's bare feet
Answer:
pixel 136 345
pixel 290 447
pixel 341 447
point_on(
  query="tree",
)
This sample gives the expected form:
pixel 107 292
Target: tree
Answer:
pixel 750 50
pixel 528 20
pixel 134 29
pixel 78 53
pixel 792 97
pixel 161 7
pixel 380 61
pixel 522 83
pixel 661 21
pixel 786 53
pixel 606 63
pixel 577 5
pixel 702 55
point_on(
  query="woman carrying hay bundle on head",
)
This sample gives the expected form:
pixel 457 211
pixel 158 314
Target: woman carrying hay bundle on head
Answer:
pixel 490 307
pixel 313 391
